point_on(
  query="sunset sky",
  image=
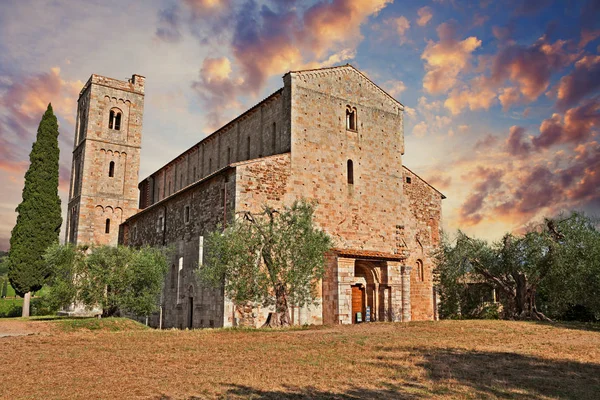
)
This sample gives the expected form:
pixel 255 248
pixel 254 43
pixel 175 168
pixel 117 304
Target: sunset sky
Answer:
pixel 502 97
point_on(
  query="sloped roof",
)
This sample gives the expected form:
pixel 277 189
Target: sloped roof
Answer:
pixel 355 70
pixel 424 181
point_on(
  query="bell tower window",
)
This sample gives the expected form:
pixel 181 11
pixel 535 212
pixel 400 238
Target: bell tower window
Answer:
pixel 114 120
pixel 351 118
pixel 107 227
pixel 111 169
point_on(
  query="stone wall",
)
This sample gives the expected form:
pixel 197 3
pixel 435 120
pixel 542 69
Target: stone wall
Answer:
pixel 263 182
pixel 261 131
pixel 364 214
pixel 422 236
pixel 377 212
pixel 210 202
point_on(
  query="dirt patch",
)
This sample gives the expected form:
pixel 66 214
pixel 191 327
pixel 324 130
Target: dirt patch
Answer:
pixel 18 327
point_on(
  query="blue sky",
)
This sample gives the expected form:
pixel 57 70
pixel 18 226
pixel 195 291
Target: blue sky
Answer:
pixel 502 98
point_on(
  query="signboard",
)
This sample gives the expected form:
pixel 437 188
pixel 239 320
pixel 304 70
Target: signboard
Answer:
pixel 358 317
pixel 368 314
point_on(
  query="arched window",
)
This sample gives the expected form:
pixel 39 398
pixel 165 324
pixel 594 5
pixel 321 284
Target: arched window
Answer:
pixel 114 120
pixel 111 169
pixel 351 118
pixel 82 122
pixel 350 172
pixel 420 271
pixel 107 229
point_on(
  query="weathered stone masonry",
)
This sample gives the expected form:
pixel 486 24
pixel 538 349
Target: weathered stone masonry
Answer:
pixel 106 159
pixel 330 135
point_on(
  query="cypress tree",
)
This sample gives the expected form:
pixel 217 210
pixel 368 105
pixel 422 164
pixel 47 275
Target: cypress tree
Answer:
pixel 39 215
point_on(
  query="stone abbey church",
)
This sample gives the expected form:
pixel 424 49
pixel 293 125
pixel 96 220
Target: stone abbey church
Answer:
pixel 329 134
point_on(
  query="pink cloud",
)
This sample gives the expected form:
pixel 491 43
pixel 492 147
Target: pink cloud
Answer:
pixel 207 8
pixel 584 80
pixel 446 59
pixel 338 22
pixel 269 41
pixel 401 25
pixel 489 180
pixel 217 88
pixel 487 142
pixel 480 96
pixel 440 181
pixel 578 124
pixel 24 102
pixel 425 14
pixel 509 97
pixel 516 144
pixel 530 67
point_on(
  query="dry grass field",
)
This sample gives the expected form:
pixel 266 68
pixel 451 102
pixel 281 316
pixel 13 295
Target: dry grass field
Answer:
pixel 448 359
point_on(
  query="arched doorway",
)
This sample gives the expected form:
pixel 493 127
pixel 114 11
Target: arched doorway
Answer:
pixel 370 291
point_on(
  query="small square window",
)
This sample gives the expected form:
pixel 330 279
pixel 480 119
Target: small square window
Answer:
pixel 408 179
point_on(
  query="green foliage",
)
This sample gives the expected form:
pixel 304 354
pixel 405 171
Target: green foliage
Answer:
pixel 3 263
pixel 455 276
pixel 39 215
pixel 66 263
pixel 573 284
pixel 11 308
pixel 273 258
pixel 114 278
pixel 553 268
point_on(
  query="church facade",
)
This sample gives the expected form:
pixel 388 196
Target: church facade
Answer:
pixel 330 135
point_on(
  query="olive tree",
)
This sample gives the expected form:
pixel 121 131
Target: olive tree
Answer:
pixel 114 278
pixel 275 257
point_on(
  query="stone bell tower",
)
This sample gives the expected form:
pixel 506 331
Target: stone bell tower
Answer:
pixel 106 159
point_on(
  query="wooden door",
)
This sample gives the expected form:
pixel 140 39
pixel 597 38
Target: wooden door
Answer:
pixel 357 303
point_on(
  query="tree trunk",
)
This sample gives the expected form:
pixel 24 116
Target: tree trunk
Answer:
pixel 111 311
pixel 26 302
pixel 245 312
pixel 281 316
pixel 524 301
pixel 521 303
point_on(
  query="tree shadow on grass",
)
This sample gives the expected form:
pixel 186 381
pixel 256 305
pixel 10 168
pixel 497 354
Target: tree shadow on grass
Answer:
pixel 580 326
pixel 300 393
pixel 508 375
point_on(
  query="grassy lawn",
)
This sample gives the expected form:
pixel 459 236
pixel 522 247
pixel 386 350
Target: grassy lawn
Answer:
pixel 11 307
pixel 448 359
